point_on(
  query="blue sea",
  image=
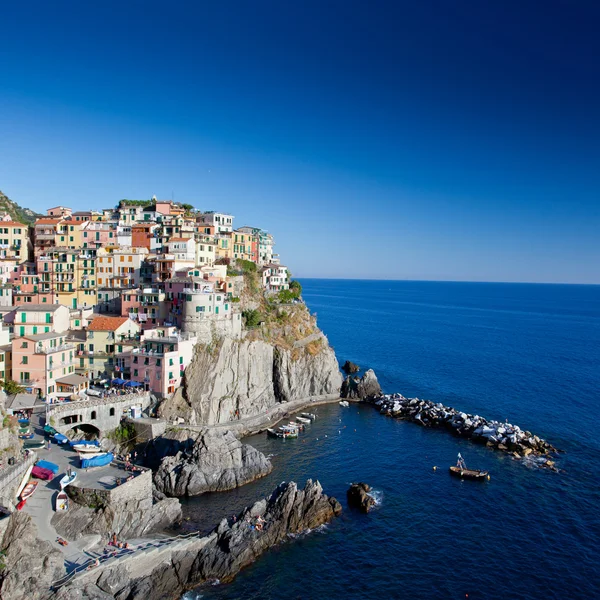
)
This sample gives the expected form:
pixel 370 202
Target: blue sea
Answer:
pixel 526 353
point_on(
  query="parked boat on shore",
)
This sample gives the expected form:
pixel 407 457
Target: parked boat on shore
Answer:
pixel 97 461
pixel 83 448
pixel 34 444
pixel 46 464
pixel 28 490
pixel 62 501
pixel 24 481
pixel 68 479
pixel 460 470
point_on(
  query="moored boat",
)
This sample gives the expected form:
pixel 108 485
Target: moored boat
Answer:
pixel 303 420
pixel 310 416
pixel 28 490
pixel 62 501
pixel 68 479
pixel 344 403
pixel 460 470
pixel 298 426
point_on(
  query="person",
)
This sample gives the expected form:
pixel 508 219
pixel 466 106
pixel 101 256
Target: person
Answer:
pixel 49 446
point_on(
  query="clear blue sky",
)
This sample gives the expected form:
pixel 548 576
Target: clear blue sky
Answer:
pixel 398 140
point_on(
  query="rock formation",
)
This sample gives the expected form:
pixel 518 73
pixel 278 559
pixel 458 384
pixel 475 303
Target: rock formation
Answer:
pixel 285 359
pixel 193 463
pixel 359 497
pixel 349 368
pixel 219 555
pixel 30 565
pixel 500 436
pixel 363 388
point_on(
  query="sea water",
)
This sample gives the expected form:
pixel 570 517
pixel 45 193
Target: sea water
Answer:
pixel 526 353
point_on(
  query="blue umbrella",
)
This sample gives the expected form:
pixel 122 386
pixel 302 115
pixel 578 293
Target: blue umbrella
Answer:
pixel 118 381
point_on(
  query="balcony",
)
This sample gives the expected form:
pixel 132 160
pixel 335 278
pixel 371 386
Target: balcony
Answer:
pixel 61 348
pixel 45 236
pixel 60 365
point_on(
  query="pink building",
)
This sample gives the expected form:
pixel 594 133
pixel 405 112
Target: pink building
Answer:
pixel 146 306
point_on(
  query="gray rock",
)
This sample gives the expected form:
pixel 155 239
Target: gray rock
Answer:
pixel 359 497
pixel 365 388
pixel 212 461
pixel 350 368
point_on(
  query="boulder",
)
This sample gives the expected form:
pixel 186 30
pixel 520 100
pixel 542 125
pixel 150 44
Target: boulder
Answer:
pixel 364 388
pixel 359 497
pixel 350 368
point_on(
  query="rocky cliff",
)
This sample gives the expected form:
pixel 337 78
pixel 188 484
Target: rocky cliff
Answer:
pixel 285 358
pixel 191 463
pixel 28 565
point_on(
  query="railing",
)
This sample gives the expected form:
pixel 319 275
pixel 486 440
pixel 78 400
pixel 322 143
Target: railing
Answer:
pixel 42 350
pixel 120 554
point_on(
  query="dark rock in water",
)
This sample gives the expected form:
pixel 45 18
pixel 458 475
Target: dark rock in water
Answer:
pixel 212 461
pixel 350 367
pixel 364 388
pixel 30 564
pixel 219 555
pixel 359 497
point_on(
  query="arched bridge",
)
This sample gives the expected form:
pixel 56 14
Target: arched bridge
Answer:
pixel 101 414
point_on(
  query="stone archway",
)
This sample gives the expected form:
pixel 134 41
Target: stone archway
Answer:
pixel 90 432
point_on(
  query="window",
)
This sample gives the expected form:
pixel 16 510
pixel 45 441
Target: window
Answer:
pixel 25 360
pixel 170 375
pixel 93 415
pixel 24 345
pixel 181 360
pixel 158 362
pixel 111 412
pixel 23 317
pixel 135 372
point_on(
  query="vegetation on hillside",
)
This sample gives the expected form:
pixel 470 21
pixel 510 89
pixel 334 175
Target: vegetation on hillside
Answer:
pixel 17 213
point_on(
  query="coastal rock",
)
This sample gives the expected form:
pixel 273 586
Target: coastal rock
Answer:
pixel 30 564
pixel 212 461
pixel 363 388
pixel 350 368
pixel 359 497
pixel 219 555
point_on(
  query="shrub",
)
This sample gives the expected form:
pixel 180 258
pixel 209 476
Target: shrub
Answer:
pixel 11 387
pixel 296 288
pixel 247 266
pixel 252 317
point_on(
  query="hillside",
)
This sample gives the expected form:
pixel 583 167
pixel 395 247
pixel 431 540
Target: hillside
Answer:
pixel 17 213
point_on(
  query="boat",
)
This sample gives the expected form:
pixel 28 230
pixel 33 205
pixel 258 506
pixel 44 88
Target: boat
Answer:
pixel 310 416
pixel 49 430
pixel 23 422
pixel 460 470
pixel 28 490
pixel 74 443
pixel 46 464
pixel 97 461
pixel 26 436
pixel 68 479
pixel 304 420
pixel 85 449
pixel 299 426
pixel 41 473
pixel 282 433
pixel 24 481
pixel 344 403
pixel 59 438
pixel 62 501
pixel 34 444
pixel 273 433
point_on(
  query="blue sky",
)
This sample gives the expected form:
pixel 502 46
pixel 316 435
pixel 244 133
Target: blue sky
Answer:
pixel 397 140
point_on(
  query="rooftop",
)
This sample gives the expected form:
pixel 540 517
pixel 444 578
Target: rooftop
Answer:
pixel 107 323
pixel 38 307
pixel 73 380
pixel 38 337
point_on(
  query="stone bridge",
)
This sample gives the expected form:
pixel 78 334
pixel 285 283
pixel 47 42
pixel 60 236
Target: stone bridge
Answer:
pixel 96 415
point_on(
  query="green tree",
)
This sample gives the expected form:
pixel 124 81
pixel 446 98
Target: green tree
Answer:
pixel 296 288
pixel 11 387
pixel 252 317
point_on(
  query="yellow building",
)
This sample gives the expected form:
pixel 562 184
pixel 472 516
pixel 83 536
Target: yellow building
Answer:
pixel 14 241
pixel 119 267
pixel 224 247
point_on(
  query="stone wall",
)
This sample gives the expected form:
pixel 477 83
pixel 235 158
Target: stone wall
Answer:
pixel 148 429
pixel 10 478
pixel 206 327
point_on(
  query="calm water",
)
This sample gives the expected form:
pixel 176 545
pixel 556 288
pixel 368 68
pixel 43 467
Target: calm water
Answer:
pixel 529 353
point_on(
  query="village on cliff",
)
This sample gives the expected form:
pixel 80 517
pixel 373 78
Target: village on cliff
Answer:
pixel 121 294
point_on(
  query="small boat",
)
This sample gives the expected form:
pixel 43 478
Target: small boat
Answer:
pixel 59 438
pixel 310 416
pixel 28 490
pixel 84 448
pixel 74 443
pixel 24 481
pixel 23 422
pixel 299 426
pixel 41 473
pixel 344 403
pixel 460 470
pixel 303 420
pixel 282 433
pixel 68 479
pixel 26 436
pixel 49 430
pixel 62 501
pixel 34 445
pixel 273 433
pixel 46 464
pixel 99 460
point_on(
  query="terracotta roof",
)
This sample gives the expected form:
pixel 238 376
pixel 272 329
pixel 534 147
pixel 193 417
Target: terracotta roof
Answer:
pixel 107 323
pixel 179 239
pixel 48 221
pixel 11 224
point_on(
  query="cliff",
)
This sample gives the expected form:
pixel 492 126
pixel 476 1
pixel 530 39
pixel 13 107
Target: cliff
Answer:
pixel 286 357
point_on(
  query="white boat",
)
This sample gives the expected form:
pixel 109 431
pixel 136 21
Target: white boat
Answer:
pixel 304 420
pixel 87 449
pixel 62 501
pixel 299 426
pixel 24 481
pixel 310 416
pixel 344 403
pixel 68 480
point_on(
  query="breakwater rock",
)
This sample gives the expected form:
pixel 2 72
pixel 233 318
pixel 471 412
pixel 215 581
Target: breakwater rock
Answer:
pixel 494 434
pixel 193 463
pixel 219 555
pixel 349 367
pixel 362 388
pixel 359 497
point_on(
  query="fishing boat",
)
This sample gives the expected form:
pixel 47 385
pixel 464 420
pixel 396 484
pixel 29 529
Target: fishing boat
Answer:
pixel 26 436
pixel 460 470
pixel 288 431
pixel 303 420
pixel 24 481
pixel 282 433
pixel 344 403
pixel 273 433
pixel 310 416
pixel 34 444
pixel 86 449
pixel 62 501
pixel 298 426
pixel 68 479
pixel 97 461
pixel 49 430
pixel 28 490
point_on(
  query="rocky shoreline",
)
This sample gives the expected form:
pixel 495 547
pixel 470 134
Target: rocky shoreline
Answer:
pixel 504 437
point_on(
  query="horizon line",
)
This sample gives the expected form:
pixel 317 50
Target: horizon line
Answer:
pixel 451 281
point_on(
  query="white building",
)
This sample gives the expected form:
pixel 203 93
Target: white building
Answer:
pixel 222 222
pixel 275 278
pixel 183 249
